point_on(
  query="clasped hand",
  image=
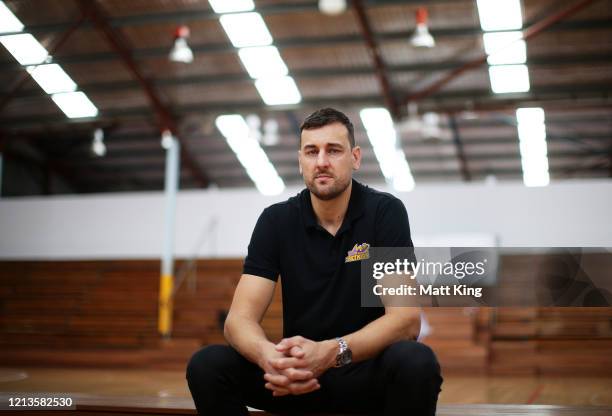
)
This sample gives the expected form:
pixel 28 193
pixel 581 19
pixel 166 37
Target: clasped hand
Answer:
pixel 293 365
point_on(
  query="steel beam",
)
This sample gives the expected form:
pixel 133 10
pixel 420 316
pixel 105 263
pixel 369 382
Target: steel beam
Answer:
pixel 376 55
pixel 184 16
pixel 463 163
pixel 165 118
pixel 308 42
pixel 303 74
pixel 47 167
pixel 156 183
pixel 595 96
pixel 156 164
pixel 374 172
pixel 529 33
pixel 24 76
pixel 600 163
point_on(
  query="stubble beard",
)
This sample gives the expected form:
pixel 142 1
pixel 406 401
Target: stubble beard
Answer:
pixel 329 192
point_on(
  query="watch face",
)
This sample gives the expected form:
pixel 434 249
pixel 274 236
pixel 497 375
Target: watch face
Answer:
pixel 346 357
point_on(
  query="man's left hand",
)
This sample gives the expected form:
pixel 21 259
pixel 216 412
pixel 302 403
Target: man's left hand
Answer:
pixel 317 357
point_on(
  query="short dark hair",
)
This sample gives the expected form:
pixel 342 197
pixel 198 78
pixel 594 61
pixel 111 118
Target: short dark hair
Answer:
pixel 326 116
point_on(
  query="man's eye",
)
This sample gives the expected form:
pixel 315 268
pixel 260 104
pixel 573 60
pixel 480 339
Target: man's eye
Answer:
pixel 334 151
pixel 311 152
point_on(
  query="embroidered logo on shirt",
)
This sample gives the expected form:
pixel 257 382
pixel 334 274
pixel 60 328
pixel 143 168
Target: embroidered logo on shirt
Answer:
pixel 358 252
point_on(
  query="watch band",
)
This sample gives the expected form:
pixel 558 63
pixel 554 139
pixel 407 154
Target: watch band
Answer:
pixel 341 357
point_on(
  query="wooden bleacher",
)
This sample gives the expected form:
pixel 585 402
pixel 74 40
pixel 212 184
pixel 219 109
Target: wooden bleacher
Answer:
pixel 457 339
pixel 65 313
pixel 549 341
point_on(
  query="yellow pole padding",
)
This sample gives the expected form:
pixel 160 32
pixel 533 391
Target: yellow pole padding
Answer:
pixel 164 322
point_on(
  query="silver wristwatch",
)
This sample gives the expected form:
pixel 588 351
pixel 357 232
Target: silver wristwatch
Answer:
pixel 344 356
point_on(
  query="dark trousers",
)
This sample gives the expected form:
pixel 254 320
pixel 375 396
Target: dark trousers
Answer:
pixel 404 379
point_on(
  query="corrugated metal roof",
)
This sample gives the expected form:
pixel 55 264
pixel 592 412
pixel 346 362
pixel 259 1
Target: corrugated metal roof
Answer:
pixel 570 68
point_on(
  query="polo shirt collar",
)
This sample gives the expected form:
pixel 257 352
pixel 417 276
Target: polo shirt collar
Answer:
pixel 354 211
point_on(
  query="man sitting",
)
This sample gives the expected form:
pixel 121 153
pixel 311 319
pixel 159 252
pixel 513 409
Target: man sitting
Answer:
pixel 337 356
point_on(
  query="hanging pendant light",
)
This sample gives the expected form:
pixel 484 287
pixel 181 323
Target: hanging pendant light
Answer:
pixel 332 7
pixel 270 132
pixel 422 38
pixel 98 147
pixel 166 139
pixel 181 52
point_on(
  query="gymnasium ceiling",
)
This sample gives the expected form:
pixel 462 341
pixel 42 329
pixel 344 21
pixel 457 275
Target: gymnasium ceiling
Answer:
pixel 331 60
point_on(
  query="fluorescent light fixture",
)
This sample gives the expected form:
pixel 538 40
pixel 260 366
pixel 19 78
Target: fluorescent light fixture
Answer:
pixel 535 170
pixel 532 145
pixel 402 177
pixel 278 91
pixel 250 154
pixel 8 21
pixel 231 6
pixel 392 160
pixel 25 48
pixel 509 78
pixel 270 132
pixel 246 29
pixel 376 118
pixel 232 125
pixel 263 62
pixel 272 185
pixel 505 48
pixel 52 78
pixel 500 14
pixel 536 178
pixel 75 104
pixel 530 115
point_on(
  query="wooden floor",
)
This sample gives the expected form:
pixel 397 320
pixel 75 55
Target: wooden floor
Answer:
pixel 171 385
pixel 138 406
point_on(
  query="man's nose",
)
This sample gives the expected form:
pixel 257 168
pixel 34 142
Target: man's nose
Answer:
pixel 322 159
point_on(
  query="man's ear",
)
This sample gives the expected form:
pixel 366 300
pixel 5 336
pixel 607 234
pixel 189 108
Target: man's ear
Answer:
pixel 356 155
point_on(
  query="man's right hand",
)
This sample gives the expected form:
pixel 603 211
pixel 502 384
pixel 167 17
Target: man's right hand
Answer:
pixel 292 379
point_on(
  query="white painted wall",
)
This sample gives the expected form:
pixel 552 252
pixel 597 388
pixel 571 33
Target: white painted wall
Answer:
pixel 572 213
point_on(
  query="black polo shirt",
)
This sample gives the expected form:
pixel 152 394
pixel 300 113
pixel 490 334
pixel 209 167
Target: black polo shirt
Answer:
pixel 321 291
